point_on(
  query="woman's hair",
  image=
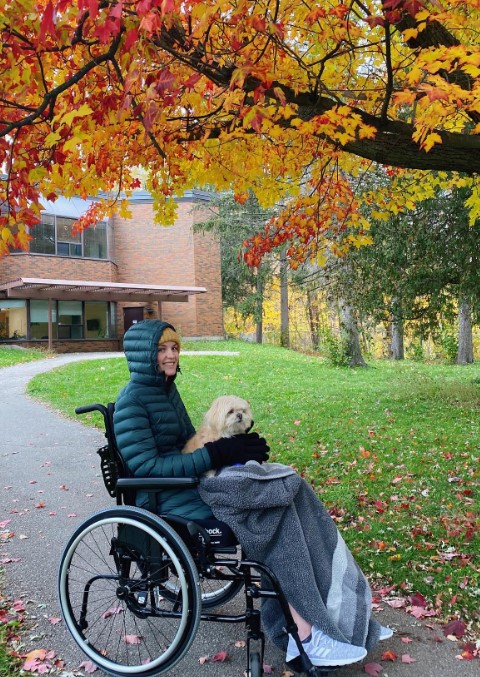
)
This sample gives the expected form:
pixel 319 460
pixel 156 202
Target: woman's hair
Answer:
pixel 169 334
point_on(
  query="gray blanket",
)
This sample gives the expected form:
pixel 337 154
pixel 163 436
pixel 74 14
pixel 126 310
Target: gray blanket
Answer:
pixel 280 522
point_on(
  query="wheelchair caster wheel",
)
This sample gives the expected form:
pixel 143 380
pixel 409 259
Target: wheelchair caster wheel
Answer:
pixel 256 667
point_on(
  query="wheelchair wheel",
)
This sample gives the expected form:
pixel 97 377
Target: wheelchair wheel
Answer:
pixel 256 667
pixel 111 579
pixel 214 591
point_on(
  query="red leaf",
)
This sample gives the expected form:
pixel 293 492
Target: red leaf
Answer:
pixel 268 669
pixel 47 24
pixel 221 657
pixel 389 656
pixel 132 639
pixel 418 600
pixel 406 658
pixel 373 669
pixel 456 628
pixel 88 667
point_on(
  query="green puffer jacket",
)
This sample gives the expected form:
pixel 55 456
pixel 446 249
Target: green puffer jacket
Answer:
pixel 152 425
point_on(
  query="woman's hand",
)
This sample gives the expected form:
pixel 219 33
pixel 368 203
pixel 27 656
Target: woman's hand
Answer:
pixel 238 449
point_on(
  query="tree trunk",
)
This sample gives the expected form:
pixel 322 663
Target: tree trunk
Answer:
pixel 284 316
pixel 259 314
pixel 313 318
pixel 397 346
pixel 465 338
pixel 349 331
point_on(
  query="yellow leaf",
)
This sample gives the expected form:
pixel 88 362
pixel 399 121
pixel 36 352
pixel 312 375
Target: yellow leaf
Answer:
pixel 52 138
pixel 431 140
pixel 84 109
pixel 7 235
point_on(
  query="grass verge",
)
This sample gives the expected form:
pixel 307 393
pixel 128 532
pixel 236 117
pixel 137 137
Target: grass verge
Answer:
pixel 392 450
pixel 11 356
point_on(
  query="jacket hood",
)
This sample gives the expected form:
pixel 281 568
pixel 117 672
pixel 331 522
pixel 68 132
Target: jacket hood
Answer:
pixel 140 344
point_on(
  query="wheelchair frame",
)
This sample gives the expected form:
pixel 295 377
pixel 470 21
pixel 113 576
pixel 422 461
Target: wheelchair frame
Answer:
pixel 152 569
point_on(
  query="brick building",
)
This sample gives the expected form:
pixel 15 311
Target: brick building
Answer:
pixel 81 291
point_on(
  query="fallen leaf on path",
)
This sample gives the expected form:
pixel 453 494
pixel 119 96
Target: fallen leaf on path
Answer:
pixel 389 656
pixel 132 639
pixel 373 669
pixel 220 657
pixel 406 640
pixel 203 659
pixel 88 667
pixel 406 658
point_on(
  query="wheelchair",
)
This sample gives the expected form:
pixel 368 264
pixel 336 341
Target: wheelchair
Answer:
pixel 134 586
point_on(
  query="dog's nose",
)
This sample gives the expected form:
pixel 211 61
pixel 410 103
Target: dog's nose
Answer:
pixel 239 416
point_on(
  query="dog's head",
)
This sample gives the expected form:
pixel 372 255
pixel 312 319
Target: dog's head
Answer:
pixel 229 415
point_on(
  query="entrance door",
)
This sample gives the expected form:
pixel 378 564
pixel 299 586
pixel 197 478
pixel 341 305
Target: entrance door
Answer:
pixel 132 316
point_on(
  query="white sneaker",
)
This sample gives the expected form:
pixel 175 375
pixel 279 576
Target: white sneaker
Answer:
pixel 324 651
pixel 385 633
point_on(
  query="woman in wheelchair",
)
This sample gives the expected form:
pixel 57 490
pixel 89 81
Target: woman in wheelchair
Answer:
pixel 328 595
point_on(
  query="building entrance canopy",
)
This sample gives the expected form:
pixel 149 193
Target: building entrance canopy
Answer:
pixel 83 290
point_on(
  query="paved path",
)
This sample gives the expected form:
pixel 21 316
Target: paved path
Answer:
pixel 50 481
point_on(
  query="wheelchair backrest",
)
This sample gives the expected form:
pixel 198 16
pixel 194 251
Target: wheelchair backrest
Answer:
pixel 111 461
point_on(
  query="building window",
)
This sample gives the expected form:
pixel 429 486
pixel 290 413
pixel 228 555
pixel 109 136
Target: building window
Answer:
pixel 39 319
pixel 57 235
pixel 13 319
pixel 28 320
pixel 70 320
pixel 43 236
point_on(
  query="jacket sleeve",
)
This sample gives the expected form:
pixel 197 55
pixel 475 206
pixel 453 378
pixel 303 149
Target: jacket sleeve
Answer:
pixel 136 443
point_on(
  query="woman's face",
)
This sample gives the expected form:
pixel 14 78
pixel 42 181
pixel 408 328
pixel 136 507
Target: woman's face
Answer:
pixel 167 357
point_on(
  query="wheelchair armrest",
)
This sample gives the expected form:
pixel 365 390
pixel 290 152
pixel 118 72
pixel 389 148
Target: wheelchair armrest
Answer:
pixel 156 483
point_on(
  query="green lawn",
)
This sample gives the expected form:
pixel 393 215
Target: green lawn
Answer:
pixel 10 356
pixel 393 450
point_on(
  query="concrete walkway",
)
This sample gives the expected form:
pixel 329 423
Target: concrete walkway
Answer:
pixel 50 482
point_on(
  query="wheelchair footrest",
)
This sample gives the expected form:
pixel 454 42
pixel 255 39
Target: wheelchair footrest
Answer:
pixel 299 664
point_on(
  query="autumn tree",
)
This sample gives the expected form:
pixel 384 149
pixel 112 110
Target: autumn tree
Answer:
pixel 284 98
pixel 233 222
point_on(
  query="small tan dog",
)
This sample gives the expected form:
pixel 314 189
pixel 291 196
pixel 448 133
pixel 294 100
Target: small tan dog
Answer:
pixel 228 415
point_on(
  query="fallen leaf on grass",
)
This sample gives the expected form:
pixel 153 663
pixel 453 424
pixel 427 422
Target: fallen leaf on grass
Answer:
pixel 396 603
pixel 373 669
pixel 456 628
